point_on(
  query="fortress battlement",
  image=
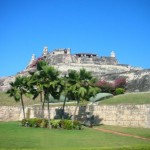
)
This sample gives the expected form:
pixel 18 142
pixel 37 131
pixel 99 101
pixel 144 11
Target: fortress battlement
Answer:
pixel 63 55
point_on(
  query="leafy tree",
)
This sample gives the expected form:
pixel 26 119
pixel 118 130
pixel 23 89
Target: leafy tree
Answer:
pixel 19 88
pixel 46 80
pixel 51 84
pixel 82 86
pixel 36 83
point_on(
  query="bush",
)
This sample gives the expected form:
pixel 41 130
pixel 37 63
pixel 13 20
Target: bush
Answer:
pixel 34 122
pixel 44 123
pixel 55 124
pixel 120 83
pixel 106 87
pixel 119 91
pixel 65 124
pixel 77 125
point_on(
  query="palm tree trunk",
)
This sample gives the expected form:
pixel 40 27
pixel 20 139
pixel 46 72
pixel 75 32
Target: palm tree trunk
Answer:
pixel 63 109
pixel 48 110
pixel 73 117
pixel 22 106
pixel 43 108
pixel 41 98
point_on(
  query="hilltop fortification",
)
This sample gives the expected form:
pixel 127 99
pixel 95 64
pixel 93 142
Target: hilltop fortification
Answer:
pixel 102 67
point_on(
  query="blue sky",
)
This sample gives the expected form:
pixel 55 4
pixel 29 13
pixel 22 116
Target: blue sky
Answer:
pixel 91 26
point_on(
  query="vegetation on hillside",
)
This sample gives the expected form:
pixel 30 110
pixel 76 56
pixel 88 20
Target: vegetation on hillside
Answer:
pixel 129 98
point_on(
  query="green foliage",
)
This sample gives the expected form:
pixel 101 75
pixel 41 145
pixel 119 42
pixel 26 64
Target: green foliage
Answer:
pixel 55 123
pixel 66 124
pixel 44 123
pixel 105 86
pixel 119 91
pixel 35 122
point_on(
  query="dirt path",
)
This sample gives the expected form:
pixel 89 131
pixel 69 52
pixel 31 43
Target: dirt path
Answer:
pixel 122 134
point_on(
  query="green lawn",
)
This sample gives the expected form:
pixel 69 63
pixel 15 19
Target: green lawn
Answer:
pixel 5 100
pixel 132 98
pixel 13 136
pixel 135 131
pixel 137 98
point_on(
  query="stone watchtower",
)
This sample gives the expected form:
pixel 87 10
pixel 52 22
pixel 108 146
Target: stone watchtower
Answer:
pixel 45 51
pixel 112 54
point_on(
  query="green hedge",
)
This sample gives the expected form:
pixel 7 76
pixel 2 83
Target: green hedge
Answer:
pixel 55 124
pixel 35 122
pixel 66 124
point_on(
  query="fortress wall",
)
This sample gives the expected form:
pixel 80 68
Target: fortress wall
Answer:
pixel 101 69
pixel 120 115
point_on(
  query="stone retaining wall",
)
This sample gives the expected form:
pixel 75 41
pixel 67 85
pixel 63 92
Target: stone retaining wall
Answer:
pixel 122 115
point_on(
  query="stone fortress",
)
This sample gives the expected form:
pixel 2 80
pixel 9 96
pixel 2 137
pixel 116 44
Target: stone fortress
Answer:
pixel 64 56
pixel 104 68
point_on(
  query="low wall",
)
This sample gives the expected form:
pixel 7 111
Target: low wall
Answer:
pixel 122 115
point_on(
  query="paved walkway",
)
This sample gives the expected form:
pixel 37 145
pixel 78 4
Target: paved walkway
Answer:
pixel 122 134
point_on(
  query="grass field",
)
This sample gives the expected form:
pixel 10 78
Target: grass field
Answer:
pixel 13 136
pixel 134 131
pixel 130 98
pixel 137 98
pixel 5 100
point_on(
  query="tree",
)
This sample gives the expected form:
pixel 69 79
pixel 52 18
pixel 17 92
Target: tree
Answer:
pixel 82 86
pixel 51 84
pixel 46 80
pixel 19 88
pixel 36 83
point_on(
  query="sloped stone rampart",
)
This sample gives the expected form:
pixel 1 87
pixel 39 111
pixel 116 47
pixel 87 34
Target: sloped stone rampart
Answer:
pixel 120 115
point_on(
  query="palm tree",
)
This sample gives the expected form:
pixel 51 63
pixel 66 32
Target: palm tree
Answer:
pixel 51 84
pixel 65 90
pixel 37 83
pixel 82 86
pixel 46 80
pixel 19 88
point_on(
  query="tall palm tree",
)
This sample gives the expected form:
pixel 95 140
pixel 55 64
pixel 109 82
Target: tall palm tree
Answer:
pixel 82 86
pixel 19 88
pixel 46 80
pixel 51 84
pixel 37 83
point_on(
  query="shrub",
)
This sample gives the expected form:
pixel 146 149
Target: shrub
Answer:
pixel 24 122
pixel 106 87
pixel 119 91
pixel 77 125
pixel 44 123
pixel 120 83
pixel 65 124
pixel 34 122
pixel 55 123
